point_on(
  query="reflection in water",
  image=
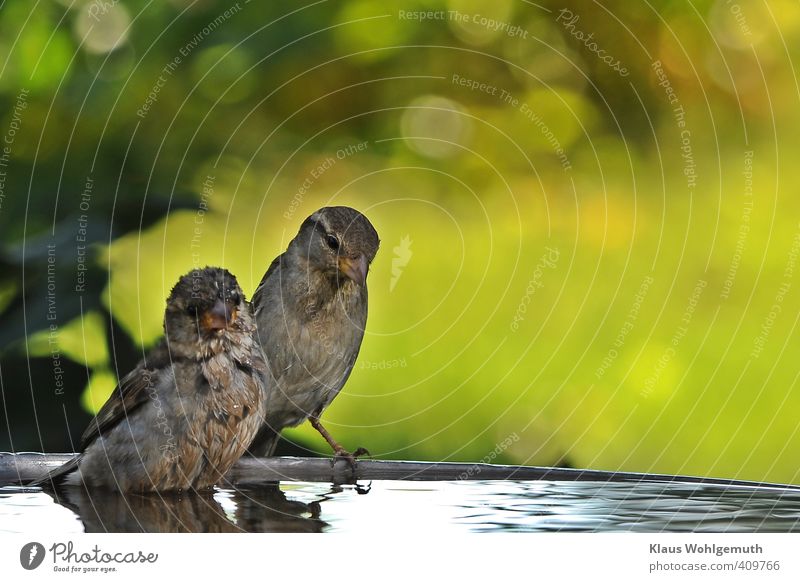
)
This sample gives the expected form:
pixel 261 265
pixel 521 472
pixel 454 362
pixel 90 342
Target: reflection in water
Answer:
pixel 267 509
pixel 477 506
pixel 262 509
pixel 105 511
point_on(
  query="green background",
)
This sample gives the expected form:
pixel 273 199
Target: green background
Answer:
pixel 559 282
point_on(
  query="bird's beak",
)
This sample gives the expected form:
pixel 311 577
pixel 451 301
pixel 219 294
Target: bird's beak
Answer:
pixel 218 317
pixel 354 268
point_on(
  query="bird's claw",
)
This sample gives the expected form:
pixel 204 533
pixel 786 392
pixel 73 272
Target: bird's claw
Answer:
pixel 342 453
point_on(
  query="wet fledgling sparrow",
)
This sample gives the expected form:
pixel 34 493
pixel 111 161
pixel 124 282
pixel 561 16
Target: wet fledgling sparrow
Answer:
pixel 190 408
pixel 311 309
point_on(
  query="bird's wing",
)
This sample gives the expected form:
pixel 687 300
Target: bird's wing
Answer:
pixel 258 294
pixel 131 392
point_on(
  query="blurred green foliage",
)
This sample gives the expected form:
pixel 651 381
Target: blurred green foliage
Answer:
pixel 567 255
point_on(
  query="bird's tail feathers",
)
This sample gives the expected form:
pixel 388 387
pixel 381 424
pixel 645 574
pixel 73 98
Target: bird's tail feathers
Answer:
pixel 54 478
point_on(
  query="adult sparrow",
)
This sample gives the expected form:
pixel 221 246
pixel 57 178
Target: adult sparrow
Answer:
pixel 311 309
pixel 191 408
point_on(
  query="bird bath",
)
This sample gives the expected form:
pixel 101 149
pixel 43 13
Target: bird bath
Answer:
pixel 289 494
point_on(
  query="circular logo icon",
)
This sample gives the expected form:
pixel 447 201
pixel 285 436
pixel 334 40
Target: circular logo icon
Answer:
pixel 31 555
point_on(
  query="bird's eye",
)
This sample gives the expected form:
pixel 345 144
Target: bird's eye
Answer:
pixel 333 242
pixel 192 310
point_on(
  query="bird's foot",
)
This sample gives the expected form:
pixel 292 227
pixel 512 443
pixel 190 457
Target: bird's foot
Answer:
pixel 342 453
pixel 339 451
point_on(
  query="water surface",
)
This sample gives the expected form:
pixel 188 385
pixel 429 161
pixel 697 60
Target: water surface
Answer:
pixel 396 506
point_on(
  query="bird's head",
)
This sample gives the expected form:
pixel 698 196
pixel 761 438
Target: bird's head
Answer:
pixel 204 304
pixel 339 242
